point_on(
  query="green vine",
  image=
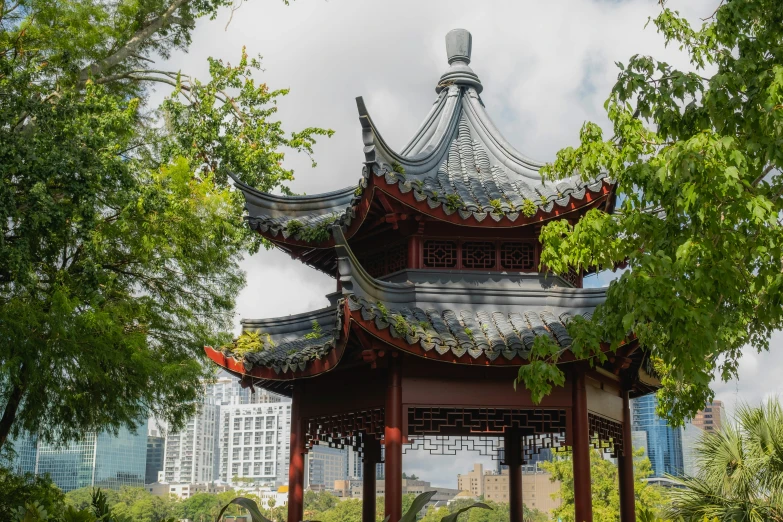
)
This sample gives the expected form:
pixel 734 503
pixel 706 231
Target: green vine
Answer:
pixel 399 169
pixel 249 342
pixel 469 333
pixel 497 205
pixel 359 191
pixel 544 199
pixel 419 185
pixel 529 208
pixel 402 327
pixel 312 234
pixel 454 202
pixel 317 333
pixel 384 311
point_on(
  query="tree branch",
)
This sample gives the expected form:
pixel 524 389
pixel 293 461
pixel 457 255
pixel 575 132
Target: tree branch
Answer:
pixel 136 41
pixel 763 175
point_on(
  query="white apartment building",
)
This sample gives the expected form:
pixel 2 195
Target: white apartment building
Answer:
pixel 189 455
pixel 254 440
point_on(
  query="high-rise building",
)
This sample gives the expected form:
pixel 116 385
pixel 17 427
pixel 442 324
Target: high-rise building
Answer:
pixel 691 434
pixel 325 465
pixel 664 443
pixel 155 452
pixel 711 418
pixel 189 453
pixel 98 460
pixel 25 449
pixel 355 466
pixel 639 441
pixel 254 440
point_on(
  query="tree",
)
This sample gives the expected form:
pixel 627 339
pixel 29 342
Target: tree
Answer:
pixel 604 487
pixel 200 507
pixel 740 471
pixel 349 510
pixel 696 158
pixel 121 236
pixel 20 490
pixel 316 502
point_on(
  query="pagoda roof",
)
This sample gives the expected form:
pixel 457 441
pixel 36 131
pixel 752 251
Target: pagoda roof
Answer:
pixel 446 316
pixel 457 167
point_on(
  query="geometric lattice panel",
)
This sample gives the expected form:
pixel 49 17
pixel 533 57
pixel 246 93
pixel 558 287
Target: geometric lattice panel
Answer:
pixel 386 261
pixel 605 434
pixel 440 254
pixel 344 430
pixel 518 255
pixel 478 254
pixel 450 445
pixel 477 421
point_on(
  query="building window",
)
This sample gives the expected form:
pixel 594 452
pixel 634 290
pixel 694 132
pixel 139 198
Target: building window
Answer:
pixel 270 423
pixel 269 437
pixel 237 424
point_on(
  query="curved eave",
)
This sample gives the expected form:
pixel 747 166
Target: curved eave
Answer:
pixel 438 210
pixel 418 203
pixel 316 367
pixel 389 339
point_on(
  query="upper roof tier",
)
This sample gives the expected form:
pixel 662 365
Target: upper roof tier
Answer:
pixel 456 168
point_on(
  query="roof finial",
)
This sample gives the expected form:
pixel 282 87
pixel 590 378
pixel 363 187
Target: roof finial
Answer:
pixel 458 45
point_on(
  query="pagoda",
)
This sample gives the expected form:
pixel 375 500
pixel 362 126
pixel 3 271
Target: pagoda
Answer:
pixel 440 296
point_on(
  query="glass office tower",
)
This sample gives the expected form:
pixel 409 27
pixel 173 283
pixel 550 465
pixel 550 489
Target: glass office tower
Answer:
pixel 99 460
pixel 664 443
pixel 25 452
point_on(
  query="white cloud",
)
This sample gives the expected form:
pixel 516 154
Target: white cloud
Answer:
pixel 546 68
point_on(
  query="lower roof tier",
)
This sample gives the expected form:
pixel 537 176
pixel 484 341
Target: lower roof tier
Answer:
pixel 450 316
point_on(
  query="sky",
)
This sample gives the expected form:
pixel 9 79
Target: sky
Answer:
pixel 546 67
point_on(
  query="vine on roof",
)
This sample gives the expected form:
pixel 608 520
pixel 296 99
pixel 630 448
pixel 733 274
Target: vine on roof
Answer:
pixel 312 233
pixel 317 333
pixel 249 342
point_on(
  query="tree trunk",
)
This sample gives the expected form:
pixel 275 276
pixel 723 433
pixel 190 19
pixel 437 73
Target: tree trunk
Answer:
pixel 12 406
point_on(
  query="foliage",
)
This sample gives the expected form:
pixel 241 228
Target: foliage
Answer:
pixel 249 505
pixel 318 502
pixel 317 333
pixel 454 202
pixel 740 470
pixel 26 490
pixel 529 208
pixel 249 342
pixel 312 233
pixel 696 158
pixel 604 486
pixel 496 206
pixel 399 169
pixel 121 235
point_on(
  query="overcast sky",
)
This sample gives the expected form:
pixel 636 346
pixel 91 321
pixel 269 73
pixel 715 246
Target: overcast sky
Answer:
pixel 546 68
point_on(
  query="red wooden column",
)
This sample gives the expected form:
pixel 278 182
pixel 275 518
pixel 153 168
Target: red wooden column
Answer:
pixel 625 467
pixel 583 502
pixel 296 460
pixel 393 440
pixel 372 455
pixel 512 447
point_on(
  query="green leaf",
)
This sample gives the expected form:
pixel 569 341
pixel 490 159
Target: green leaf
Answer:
pixel 247 504
pixel 453 516
pixel 418 504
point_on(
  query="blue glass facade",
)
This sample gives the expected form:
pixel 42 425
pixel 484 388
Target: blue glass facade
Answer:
pixel 664 443
pixel 25 452
pixel 101 460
